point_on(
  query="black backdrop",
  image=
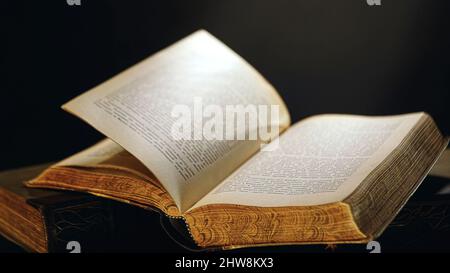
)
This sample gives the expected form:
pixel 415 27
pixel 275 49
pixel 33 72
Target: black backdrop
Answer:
pixel 324 56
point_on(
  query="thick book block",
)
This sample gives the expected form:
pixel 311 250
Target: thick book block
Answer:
pixel 422 225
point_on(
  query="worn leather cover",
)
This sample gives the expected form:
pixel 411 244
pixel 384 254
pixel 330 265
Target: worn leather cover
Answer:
pixel 68 216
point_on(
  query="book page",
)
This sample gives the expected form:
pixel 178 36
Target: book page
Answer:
pixel 319 160
pixel 442 166
pixel 108 154
pixel 135 109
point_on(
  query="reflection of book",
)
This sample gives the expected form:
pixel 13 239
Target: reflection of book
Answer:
pixel 424 223
pixel 45 220
pixel 327 179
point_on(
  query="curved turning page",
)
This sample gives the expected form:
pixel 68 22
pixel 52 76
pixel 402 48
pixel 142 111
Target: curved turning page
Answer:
pixel 320 160
pixel 135 110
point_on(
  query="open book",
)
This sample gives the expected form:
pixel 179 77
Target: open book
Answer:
pixel 325 179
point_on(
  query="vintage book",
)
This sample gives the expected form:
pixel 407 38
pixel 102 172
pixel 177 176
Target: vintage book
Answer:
pixel 326 179
pixel 47 220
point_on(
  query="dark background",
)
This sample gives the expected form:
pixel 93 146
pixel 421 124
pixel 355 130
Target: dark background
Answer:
pixel 322 56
